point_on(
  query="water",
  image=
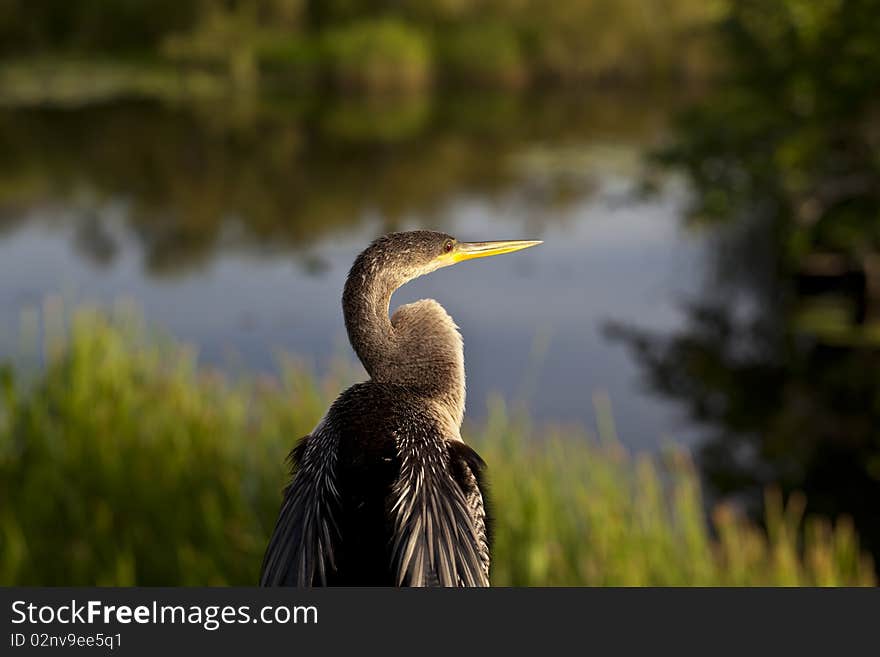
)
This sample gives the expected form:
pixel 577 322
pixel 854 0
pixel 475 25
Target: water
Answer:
pixel 233 228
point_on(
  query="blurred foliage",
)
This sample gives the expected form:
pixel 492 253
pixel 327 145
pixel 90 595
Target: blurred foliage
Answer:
pixel 366 45
pixel 91 25
pixel 482 54
pixel 780 354
pixel 607 39
pixel 379 56
pixel 121 462
pixel 795 132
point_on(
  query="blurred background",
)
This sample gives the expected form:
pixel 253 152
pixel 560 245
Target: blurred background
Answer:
pixel 705 176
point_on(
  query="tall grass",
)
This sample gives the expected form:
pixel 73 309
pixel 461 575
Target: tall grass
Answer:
pixel 122 462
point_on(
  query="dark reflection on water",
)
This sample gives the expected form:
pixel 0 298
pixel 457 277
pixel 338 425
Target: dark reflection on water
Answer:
pixel 234 225
pixel 780 357
pixel 284 174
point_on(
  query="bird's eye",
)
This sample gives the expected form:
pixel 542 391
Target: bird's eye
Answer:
pixel 447 247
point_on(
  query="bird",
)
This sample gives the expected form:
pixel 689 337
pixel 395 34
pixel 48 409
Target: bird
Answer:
pixel 384 491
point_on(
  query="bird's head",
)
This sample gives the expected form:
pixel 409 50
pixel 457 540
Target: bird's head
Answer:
pixel 418 335
pixel 408 255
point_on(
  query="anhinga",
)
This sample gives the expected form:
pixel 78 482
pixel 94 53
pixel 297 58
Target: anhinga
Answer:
pixel 384 490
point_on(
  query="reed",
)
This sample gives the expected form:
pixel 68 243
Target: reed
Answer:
pixel 123 462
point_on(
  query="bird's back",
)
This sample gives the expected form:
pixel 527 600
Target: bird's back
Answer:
pixel 380 496
pixel 366 420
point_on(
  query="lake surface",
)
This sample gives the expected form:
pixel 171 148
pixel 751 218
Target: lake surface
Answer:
pixel 233 228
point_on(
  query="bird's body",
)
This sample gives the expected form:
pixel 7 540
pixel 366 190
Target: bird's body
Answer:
pixel 385 492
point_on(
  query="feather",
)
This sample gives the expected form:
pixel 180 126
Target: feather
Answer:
pixel 440 536
pixel 303 546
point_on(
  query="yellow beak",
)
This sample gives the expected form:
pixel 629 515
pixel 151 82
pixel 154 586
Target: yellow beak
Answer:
pixel 468 250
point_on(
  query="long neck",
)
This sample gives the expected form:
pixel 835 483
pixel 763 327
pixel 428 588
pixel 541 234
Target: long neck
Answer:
pixel 365 304
pixel 419 347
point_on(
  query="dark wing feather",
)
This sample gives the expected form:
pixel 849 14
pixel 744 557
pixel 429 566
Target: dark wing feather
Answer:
pixel 469 471
pixel 439 539
pixel 306 539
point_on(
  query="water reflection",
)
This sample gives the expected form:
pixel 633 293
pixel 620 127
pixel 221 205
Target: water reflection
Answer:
pixel 780 355
pixel 234 228
pixel 285 174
